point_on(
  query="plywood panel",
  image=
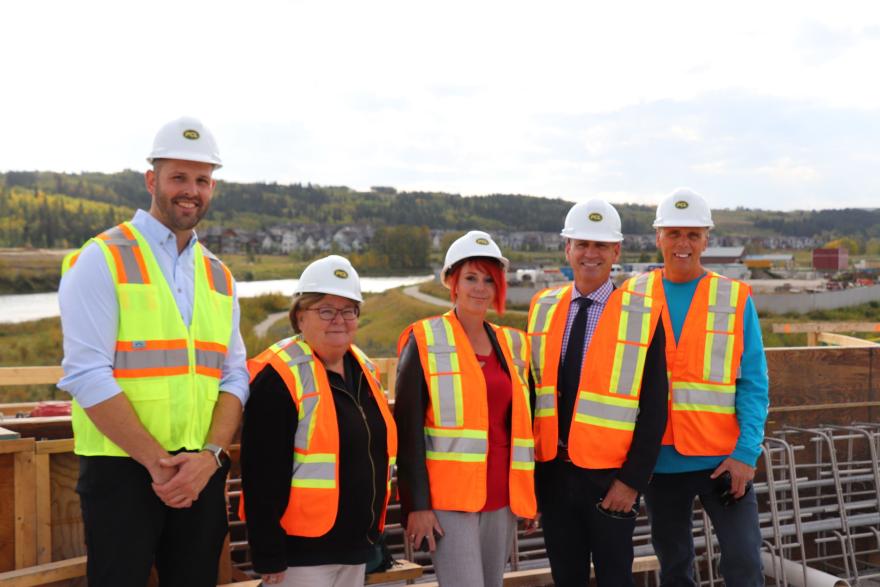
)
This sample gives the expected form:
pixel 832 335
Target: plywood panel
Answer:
pixel 7 511
pixel 819 375
pixel 68 537
pixel 25 531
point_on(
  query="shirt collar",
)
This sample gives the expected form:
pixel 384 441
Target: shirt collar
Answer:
pixel 599 296
pixel 156 231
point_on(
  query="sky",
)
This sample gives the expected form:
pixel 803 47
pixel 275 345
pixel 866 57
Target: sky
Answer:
pixel 772 105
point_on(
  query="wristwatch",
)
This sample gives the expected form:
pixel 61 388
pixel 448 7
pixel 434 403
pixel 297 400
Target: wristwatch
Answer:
pixel 220 454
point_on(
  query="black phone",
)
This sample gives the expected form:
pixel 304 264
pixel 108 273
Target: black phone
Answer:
pixel 723 484
pixel 424 546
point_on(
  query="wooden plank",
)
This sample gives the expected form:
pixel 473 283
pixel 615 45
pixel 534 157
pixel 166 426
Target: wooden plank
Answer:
pixel 48 427
pixel 844 340
pixel 68 533
pixel 823 407
pixel 30 375
pixel 7 514
pixel 25 531
pixel 44 509
pixel 402 570
pixel 45 447
pixel 47 573
pixel 9 434
pixel 17 445
pixel 796 327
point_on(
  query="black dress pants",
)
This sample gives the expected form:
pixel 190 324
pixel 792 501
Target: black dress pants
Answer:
pixel 128 528
pixel 575 531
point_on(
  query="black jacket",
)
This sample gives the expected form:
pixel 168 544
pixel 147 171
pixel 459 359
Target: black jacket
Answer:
pixel 270 423
pixel 411 402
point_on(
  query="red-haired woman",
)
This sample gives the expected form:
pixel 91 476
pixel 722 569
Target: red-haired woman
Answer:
pixel 466 453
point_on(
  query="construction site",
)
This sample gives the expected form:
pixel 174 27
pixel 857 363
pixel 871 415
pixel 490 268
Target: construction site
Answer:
pixel 817 484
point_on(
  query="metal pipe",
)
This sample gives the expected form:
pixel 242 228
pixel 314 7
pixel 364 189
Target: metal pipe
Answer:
pixel 799 575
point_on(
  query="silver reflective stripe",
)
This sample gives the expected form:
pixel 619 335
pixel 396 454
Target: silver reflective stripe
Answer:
pixel 306 413
pixel 544 401
pixel 446 444
pixel 640 283
pixel 442 351
pixel 302 362
pixel 628 367
pixel 721 318
pixel 719 352
pixel 703 397
pixel 218 276
pixel 151 359
pixel 210 359
pixel 516 344
pixel 523 454
pixel 538 343
pixel 314 471
pixel 116 238
pixel 446 399
pixel 637 320
pixel 587 407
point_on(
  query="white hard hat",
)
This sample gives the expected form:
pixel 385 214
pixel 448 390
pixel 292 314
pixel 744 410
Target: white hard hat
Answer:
pixel 187 139
pixel 332 275
pixel 476 243
pixel 683 207
pixel 594 220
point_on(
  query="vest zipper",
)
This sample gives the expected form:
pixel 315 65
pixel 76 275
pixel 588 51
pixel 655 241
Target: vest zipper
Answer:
pixel 369 451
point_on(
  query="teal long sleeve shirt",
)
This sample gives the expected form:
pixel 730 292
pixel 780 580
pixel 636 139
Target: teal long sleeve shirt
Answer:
pixel 752 387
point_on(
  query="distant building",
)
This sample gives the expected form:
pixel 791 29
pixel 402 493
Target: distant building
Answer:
pixel 830 259
pixel 722 255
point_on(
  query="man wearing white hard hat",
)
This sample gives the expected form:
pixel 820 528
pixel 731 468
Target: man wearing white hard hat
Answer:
pixel 718 401
pixel 156 366
pixel 599 371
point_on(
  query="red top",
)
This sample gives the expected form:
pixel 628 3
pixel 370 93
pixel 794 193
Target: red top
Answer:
pixel 500 399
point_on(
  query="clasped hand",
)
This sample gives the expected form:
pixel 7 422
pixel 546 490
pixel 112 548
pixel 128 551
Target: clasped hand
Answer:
pixel 179 479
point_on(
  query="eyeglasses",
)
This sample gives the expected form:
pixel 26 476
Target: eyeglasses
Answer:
pixel 329 314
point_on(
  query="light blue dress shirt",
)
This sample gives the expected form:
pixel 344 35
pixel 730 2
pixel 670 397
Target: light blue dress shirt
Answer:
pixel 752 386
pixel 90 317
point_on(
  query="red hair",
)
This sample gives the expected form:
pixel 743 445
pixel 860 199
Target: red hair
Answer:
pixel 488 265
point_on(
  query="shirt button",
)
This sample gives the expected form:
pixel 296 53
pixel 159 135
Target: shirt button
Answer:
pixel 179 290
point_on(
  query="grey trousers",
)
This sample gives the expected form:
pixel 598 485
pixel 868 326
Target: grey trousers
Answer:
pixel 475 547
pixel 324 576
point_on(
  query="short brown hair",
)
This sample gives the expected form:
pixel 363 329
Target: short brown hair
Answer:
pixel 302 301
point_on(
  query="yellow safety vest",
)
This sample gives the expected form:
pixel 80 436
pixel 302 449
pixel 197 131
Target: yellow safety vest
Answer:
pixel 169 373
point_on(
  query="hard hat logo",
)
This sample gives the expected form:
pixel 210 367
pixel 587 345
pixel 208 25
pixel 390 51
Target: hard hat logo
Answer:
pixel 191 134
pixel 595 217
pixel 483 241
pixel 341 273
pixel 681 204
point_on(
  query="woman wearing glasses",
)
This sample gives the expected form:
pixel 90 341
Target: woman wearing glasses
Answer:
pixel 462 408
pixel 316 404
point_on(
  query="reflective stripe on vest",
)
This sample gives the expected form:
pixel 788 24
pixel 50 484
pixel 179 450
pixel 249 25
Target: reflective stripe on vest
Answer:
pixel 539 325
pixel 720 321
pixel 445 381
pixel 704 397
pixel 130 266
pixel 457 427
pixel 467 446
pixel 607 407
pixel 169 371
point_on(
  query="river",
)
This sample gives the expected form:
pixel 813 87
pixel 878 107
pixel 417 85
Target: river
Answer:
pixel 24 307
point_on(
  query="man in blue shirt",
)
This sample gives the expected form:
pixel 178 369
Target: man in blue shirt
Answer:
pixel 719 432
pixel 153 492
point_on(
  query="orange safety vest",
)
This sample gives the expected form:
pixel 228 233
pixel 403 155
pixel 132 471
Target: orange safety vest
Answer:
pixel 607 405
pixel 457 421
pixel 703 368
pixel 314 485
